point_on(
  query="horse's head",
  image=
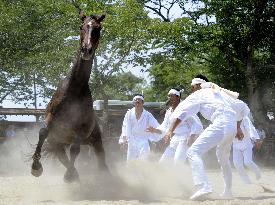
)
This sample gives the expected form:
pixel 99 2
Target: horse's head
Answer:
pixel 89 34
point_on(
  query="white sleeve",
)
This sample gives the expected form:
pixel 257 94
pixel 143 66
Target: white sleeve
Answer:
pixel 154 123
pixel 241 109
pixel 188 107
pixel 254 136
pixel 124 129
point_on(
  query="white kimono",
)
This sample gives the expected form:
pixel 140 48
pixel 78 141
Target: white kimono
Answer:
pixel 242 150
pixel 135 132
pixel 218 108
pixel 178 144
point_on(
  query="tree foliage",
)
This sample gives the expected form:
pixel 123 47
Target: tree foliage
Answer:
pixel 32 38
pixel 232 42
pixel 45 43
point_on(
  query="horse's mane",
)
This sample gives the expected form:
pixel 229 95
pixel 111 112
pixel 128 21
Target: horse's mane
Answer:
pixel 57 96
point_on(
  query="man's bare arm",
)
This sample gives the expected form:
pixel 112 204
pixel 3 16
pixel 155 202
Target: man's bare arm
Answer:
pixel 239 134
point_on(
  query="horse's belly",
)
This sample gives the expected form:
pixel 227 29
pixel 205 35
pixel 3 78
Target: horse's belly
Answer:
pixel 68 132
pixel 70 122
pixel 61 136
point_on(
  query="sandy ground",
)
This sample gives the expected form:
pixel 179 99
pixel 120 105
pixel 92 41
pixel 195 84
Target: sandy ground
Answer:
pixel 136 183
pixel 137 187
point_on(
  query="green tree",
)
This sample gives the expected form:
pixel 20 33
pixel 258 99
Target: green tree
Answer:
pixel 178 51
pixel 233 41
pixel 120 86
pixel 45 43
pixel 32 42
pixel 245 41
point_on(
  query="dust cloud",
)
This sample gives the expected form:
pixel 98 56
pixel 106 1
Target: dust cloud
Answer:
pixel 137 182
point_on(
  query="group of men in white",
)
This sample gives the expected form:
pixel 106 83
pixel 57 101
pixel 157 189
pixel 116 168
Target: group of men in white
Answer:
pixel 230 123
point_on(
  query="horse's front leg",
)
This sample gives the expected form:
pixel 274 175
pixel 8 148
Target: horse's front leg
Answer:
pixel 96 142
pixel 37 168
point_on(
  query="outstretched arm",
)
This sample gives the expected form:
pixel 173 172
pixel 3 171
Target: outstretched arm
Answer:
pixel 153 130
pixel 172 128
pixel 190 106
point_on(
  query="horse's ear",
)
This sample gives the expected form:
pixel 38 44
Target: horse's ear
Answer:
pixel 101 18
pixel 98 18
pixel 93 16
pixel 82 15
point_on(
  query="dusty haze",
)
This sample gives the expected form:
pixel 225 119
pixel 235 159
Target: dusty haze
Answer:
pixel 136 183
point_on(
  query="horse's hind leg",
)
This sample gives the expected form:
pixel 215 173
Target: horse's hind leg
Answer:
pixel 71 174
pixel 37 168
pixel 74 152
pixel 96 142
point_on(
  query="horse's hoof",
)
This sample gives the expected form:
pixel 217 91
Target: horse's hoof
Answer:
pixel 37 169
pixel 71 175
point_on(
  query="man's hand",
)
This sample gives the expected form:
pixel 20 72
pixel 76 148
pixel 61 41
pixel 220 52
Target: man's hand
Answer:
pixel 258 144
pixel 153 130
pixel 191 140
pixel 168 136
pixel 124 146
pixel 150 129
pixel 239 134
pixel 173 126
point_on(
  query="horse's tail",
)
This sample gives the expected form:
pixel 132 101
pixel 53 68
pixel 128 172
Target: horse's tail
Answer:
pixel 50 149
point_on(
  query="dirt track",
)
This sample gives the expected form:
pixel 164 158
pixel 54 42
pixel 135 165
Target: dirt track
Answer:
pixel 137 184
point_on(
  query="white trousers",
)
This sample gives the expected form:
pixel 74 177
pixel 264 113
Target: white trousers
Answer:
pixel 138 150
pixel 243 157
pixel 219 134
pixel 176 150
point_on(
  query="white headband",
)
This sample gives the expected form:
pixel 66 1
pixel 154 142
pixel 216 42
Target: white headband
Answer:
pixel 174 92
pixel 196 81
pixel 138 97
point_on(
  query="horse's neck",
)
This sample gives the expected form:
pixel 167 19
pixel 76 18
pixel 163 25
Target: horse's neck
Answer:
pixel 80 74
pixel 81 71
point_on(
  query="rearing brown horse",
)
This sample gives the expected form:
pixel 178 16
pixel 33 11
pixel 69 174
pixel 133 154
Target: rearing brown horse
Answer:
pixel 70 118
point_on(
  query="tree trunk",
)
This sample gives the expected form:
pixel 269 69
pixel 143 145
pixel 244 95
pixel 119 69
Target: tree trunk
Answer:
pixel 257 97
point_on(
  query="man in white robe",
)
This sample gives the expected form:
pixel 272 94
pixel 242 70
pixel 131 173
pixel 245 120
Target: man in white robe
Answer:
pixel 134 133
pixel 214 105
pixel 242 150
pixel 186 131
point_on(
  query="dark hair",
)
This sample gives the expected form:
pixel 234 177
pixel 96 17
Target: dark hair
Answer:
pixel 202 77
